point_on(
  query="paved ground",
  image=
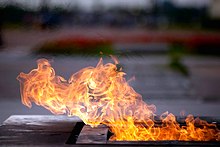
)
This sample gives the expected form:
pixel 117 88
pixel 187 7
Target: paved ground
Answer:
pixel 198 94
pixel 155 81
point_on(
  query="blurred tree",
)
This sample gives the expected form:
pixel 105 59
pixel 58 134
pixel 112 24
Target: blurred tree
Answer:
pixel 176 52
pixel 12 14
pixel 1 40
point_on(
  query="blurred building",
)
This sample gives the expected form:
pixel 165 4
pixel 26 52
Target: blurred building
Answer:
pixel 214 9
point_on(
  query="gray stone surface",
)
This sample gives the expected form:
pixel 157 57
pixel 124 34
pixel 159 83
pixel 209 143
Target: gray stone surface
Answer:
pixel 38 130
pixel 50 130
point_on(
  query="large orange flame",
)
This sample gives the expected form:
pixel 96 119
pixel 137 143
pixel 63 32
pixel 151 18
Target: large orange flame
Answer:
pixel 101 95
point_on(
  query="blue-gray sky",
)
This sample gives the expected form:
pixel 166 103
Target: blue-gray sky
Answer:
pixel 87 4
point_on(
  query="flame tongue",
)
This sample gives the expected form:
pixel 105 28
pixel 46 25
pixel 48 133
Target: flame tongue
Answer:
pixel 101 95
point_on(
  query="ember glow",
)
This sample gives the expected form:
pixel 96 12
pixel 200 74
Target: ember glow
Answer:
pixel 101 95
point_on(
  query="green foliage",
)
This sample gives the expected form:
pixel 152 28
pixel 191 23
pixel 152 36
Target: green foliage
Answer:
pixel 176 53
pixel 12 14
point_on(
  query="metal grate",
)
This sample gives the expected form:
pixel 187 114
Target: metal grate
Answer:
pixel 101 134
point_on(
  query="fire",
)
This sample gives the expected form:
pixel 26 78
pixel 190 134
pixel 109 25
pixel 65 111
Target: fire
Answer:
pixel 101 95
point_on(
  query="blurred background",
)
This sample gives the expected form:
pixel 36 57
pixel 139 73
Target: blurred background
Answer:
pixel 171 47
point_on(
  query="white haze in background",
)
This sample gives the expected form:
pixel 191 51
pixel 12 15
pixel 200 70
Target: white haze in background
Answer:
pixel 89 4
pixel 191 3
